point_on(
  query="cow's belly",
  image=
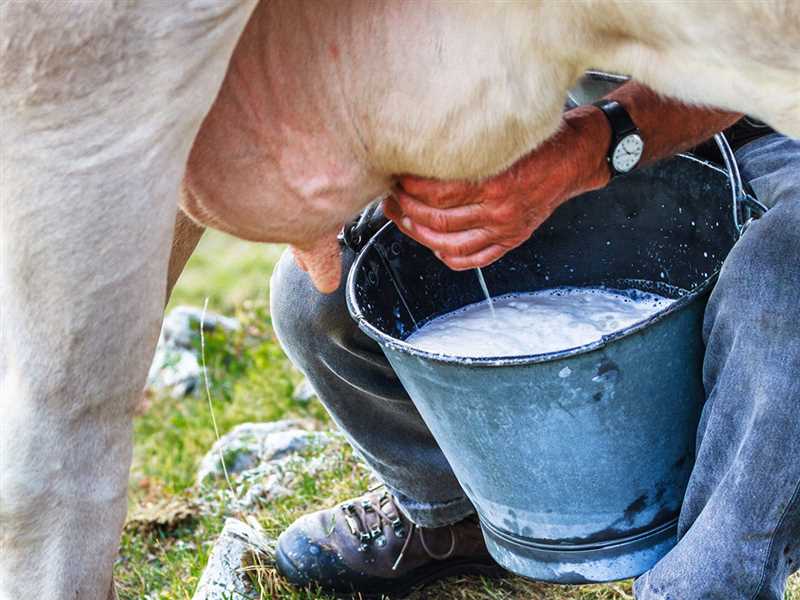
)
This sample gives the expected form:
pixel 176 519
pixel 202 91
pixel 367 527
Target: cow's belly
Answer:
pixel 313 124
pixel 343 95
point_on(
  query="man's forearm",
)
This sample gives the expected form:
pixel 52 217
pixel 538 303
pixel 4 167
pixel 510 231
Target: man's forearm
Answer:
pixel 472 224
pixel 667 126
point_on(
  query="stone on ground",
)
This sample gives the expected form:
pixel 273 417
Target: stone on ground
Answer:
pixel 304 392
pixel 237 547
pixel 250 445
pixel 176 365
pixel 263 462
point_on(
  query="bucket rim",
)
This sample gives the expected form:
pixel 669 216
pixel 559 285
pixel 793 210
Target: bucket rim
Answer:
pixel 387 341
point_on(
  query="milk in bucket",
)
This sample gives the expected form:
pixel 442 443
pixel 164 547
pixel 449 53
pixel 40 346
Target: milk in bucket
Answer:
pixel 536 323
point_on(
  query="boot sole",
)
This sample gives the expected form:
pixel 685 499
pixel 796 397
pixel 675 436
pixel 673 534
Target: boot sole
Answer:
pixel 401 587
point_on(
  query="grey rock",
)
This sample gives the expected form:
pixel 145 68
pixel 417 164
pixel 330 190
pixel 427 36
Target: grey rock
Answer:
pixel 277 479
pixel 176 365
pixel 304 392
pixel 174 370
pixel 238 546
pixel 181 325
pixel 252 445
pixel 277 466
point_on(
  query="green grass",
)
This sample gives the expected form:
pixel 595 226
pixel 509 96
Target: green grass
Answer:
pixel 227 271
pixel 251 380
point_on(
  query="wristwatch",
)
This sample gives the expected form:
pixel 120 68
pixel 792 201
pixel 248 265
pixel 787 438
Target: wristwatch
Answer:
pixel 627 145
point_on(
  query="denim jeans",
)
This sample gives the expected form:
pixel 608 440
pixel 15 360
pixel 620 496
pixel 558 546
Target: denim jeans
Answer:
pixel 739 527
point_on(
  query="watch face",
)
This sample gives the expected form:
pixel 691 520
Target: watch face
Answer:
pixel 627 153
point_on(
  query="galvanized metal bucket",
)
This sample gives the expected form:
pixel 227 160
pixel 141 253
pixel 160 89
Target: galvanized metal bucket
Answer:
pixel 576 461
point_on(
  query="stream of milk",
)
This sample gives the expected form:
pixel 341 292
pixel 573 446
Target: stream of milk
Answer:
pixel 536 323
pixel 485 290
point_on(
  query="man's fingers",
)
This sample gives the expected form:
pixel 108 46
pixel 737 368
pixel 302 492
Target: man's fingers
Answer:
pixel 459 218
pixel 482 258
pixel 461 243
pixel 439 194
pixel 392 209
pixel 322 262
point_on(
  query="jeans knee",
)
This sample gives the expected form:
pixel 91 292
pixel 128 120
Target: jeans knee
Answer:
pixel 305 321
pixel 754 304
pixel 760 276
pixel 284 312
pixel 292 317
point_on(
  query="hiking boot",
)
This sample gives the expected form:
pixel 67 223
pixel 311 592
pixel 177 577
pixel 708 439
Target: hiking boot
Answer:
pixel 367 546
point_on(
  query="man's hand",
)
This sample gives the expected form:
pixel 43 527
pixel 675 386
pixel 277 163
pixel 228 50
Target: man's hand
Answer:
pixel 471 225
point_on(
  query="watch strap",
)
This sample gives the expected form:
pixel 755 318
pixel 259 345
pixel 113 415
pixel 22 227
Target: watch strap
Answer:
pixel 621 126
pixel 619 119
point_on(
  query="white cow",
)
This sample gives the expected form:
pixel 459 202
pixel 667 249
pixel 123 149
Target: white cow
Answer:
pixel 324 100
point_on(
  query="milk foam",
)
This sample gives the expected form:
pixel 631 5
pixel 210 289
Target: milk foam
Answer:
pixel 536 323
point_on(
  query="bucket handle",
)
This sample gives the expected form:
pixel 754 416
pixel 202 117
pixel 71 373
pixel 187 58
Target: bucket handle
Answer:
pixel 746 208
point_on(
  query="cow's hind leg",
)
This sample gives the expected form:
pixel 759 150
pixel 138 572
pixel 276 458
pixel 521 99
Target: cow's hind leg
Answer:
pixel 100 104
pixel 186 235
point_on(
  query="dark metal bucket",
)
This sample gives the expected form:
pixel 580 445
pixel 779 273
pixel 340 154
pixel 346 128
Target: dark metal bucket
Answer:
pixel 576 461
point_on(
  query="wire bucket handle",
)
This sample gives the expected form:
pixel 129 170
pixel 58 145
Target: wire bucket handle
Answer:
pixel 745 207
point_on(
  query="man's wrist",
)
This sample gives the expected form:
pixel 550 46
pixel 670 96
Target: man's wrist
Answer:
pixel 589 136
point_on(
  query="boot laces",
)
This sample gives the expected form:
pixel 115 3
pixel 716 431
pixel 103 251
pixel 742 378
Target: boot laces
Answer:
pixel 369 535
